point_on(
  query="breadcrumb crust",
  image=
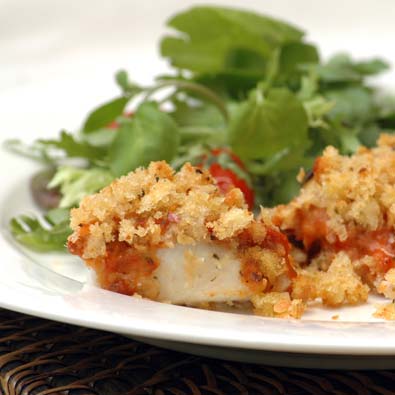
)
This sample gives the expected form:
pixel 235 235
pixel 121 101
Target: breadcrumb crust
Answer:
pixel 355 192
pixel 159 208
pixel 347 197
pixel 345 218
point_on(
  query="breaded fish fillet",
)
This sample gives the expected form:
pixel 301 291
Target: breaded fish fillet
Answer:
pixel 174 237
pixel 344 221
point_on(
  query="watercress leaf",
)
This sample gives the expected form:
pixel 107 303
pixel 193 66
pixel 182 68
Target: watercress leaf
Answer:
pixel 339 134
pixel 103 115
pixel 122 79
pixel 287 188
pixel 199 114
pixel 317 108
pixel 369 134
pixel 386 107
pixel 349 141
pixel 263 126
pixel 193 90
pixel 292 57
pixel 234 84
pixel 337 69
pixel 57 216
pixel 371 67
pixel 213 39
pixel 190 153
pixel 277 187
pixel 341 68
pixel 72 148
pixel 30 232
pixel 387 121
pixel 150 135
pixel 75 183
pixel 199 122
pixel 128 87
pixel 99 138
pixel 51 151
pixel 353 105
pixel 35 151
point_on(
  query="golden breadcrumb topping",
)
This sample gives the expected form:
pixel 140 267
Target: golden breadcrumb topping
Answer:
pixel 344 222
pixel 342 226
pixel 355 191
pixel 337 286
pixel 119 230
pixel 385 311
pixel 158 207
pixel 387 285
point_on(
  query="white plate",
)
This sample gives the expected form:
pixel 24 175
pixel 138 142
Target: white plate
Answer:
pixel 41 90
pixel 55 286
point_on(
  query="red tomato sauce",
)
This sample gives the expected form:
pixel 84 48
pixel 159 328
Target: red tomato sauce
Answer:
pixel 123 261
pixel 380 244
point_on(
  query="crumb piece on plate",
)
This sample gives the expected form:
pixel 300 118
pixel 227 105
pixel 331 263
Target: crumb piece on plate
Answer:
pixel 385 311
pixel 387 286
pixel 278 304
pixel 339 285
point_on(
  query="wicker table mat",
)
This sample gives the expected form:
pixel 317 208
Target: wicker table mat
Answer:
pixel 44 357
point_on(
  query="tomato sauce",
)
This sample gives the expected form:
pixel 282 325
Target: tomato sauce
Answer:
pixel 380 244
pixel 124 268
pixel 274 239
pixel 312 229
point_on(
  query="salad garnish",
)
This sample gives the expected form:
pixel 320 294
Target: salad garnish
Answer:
pixel 242 84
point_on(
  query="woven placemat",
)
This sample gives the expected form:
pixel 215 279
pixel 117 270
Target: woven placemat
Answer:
pixel 40 357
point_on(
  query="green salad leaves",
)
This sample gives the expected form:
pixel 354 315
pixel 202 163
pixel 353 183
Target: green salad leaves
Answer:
pixel 42 234
pixel 278 117
pixel 240 80
pixel 149 135
pixel 223 40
